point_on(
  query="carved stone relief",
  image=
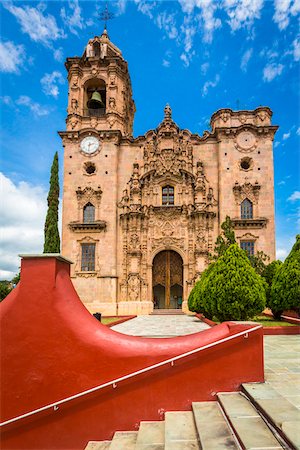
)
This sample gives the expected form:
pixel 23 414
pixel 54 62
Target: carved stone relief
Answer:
pixel 246 190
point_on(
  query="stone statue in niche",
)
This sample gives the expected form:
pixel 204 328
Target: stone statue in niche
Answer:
pixel 112 103
pixel 74 105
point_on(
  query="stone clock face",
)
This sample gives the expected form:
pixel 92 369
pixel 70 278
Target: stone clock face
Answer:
pixel 246 140
pixel 89 145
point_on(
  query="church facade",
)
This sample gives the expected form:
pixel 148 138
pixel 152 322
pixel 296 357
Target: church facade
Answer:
pixel 141 215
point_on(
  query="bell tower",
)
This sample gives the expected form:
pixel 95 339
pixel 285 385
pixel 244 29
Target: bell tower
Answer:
pixel 100 116
pixel 100 94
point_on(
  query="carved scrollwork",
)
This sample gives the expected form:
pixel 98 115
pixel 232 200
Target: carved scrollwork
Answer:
pixel 246 190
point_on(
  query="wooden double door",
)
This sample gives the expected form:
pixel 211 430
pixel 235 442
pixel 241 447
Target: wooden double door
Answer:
pixel 167 280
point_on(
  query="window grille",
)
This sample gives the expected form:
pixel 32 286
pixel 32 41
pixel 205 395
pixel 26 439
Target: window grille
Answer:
pixel 168 195
pixel 88 257
pixel 248 246
pixel 246 209
pixel 89 213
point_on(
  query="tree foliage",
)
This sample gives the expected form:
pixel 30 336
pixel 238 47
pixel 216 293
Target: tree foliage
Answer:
pixel 225 239
pixel 268 274
pixel 4 289
pixel 230 288
pixel 258 262
pixel 52 240
pixel 285 290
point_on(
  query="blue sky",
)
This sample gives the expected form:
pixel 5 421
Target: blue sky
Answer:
pixel 197 55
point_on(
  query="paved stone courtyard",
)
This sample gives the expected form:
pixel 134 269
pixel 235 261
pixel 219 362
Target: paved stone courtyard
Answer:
pixel 161 326
pixel 282 353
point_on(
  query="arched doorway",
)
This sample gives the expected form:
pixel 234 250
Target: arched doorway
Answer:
pixel 167 280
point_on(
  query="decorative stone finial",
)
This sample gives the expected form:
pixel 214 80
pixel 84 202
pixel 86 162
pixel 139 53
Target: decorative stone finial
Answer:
pixel 168 111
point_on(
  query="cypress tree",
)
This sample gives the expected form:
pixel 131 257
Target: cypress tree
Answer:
pixel 52 240
pixel 232 290
pixel 285 291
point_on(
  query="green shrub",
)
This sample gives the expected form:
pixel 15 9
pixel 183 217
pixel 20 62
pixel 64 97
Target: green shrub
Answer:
pixel 199 304
pixel 4 290
pixel 285 290
pixel 191 303
pixel 232 290
pixel 268 274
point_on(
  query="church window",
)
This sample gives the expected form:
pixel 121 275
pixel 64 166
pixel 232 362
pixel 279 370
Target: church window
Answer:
pixel 88 257
pixel 89 213
pixel 168 195
pixel 246 209
pixel 248 246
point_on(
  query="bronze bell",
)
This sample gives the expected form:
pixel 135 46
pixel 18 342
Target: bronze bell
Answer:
pixel 95 101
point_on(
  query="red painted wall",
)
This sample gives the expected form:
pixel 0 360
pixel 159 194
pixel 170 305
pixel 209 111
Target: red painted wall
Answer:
pixel 52 347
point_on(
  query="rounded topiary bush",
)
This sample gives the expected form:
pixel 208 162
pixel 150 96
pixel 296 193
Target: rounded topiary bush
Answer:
pixel 232 290
pixel 285 290
pixel 198 301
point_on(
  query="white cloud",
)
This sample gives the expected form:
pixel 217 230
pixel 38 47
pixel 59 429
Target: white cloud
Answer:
pixel 298 131
pixel 210 84
pixel 296 49
pixel 22 214
pixel 242 12
pixel 58 54
pixel 294 197
pixel 145 7
pixel 284 9
pixel 12 57
pixel 121 6
pixel 167 22
pixel 204 68
pixel 41 28
pixel 7 100
pixel 36 108
pixel 271 71
pixel 276 144
pixel 281 183
pixel 281 253
pixel 50 83
pixel 286 136
pixel 72 17
pixel 246 58
pixel 207 15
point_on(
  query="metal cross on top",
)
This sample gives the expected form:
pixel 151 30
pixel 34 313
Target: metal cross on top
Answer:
pixel 106 15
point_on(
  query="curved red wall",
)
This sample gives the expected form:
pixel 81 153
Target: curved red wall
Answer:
pixel 52 348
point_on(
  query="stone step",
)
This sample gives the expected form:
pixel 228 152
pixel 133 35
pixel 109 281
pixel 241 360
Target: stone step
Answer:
pixel 283 415
pixel 250 429
pixel 151 436
pixel 166 312
pixel 180 431
pixel 98 445
pixel 213 430
pixel 123 440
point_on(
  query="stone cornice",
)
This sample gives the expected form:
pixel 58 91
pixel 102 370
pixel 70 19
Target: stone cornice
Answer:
pixel 102 134
pixel 258 130
pixel 259 222
pixel 89 227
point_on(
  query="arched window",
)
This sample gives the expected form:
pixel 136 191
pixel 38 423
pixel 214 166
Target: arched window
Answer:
pixel 168 195
pixel 89 213
pixel 246 209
